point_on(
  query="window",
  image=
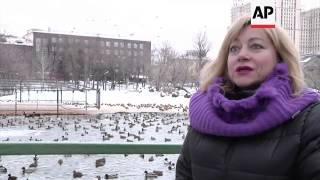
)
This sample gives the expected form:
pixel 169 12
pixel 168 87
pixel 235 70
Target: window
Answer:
pixel 141 53
pixel 70 40
pixel 102 43
pixel 60 40
pixel 38 44
pixel 108 51
pixel 45 42
pixel 53 40
pixel 135 46
pixel 115 44
pixel 108 43
pixel 141 46
pixel 122 44
pixel 135 53
pixel 129 45
pixel 53 48
pixel 86 42
pixel 129 53
pixel 38 40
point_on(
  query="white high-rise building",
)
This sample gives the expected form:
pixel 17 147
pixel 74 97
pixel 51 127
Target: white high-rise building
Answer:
pixel 287 15
pixel 240 8
pixel 310 32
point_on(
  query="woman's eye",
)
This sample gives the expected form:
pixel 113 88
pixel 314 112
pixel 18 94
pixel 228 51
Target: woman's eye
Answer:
pixel 233 49
pixel 256 46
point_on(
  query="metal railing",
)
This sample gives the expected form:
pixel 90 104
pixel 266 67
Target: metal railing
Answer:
pixel 86 148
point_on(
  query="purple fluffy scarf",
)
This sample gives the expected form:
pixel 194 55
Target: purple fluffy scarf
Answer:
pixel 271 105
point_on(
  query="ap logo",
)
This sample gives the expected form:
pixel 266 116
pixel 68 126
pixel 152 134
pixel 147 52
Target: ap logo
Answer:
pixel 263 14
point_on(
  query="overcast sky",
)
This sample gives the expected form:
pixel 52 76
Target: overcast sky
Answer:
pixel 175 21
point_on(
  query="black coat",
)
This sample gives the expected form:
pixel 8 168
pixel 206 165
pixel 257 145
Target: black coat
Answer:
pixel 290 151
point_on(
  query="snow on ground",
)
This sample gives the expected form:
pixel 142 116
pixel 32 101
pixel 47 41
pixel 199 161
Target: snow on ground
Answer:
pixel 132 100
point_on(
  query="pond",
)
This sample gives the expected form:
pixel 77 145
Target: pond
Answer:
pixel 119 127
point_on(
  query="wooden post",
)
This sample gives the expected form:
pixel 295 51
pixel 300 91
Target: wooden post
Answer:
pixel 57 102
pixel 15 102
pixel 20 91
pixel 98 99
pixel 86 100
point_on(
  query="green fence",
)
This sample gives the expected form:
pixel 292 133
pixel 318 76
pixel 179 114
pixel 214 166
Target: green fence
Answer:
pixel 86 148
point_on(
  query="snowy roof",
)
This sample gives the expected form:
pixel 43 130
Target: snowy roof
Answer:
pixel 17 41
pixel 85 35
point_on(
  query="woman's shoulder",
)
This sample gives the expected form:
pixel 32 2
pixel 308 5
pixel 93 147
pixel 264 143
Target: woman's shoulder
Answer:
pixel 311 122
pixel 312 112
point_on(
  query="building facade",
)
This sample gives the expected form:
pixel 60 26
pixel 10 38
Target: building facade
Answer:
pixel 310 32
pixel 239 9
pixel 15 60
pixel 82 57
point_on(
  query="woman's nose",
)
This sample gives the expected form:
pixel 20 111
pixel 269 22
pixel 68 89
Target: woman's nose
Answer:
pixel 243 54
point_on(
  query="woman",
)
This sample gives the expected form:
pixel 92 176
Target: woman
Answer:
pixel 253 118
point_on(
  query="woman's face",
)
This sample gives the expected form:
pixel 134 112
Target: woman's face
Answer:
pixel 251 58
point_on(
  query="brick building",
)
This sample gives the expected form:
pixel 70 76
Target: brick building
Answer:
pixel 15 60
pixel 81 57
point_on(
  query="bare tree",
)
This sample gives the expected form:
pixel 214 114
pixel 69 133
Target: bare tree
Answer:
pixel 174 69
pixel 42 63
pixel 162 60
pixel 201 48
pixel 186 71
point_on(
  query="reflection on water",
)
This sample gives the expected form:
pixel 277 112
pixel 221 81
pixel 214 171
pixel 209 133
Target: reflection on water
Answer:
pixel 149 127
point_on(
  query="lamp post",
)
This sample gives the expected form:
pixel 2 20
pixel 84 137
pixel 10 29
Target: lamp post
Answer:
pixel 116 73
pixel 105 74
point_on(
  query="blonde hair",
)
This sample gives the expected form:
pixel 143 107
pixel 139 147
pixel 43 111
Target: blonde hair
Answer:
pixel 281 42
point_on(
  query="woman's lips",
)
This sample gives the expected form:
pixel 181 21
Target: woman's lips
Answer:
pixel 243 70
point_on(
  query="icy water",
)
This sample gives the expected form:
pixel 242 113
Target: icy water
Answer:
pixel 150 127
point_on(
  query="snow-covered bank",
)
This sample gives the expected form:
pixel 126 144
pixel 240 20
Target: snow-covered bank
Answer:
pixel 118 100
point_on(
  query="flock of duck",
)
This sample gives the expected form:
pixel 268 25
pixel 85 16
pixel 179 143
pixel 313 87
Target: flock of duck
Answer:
pixel 117 127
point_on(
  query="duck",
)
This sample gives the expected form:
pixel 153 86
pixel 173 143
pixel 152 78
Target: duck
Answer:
pixel 28 170
pixel 158 173
pixel 35 158
pixel 60 161
pixel 151 159
pixel 34 164
pixel 100 162
pixel 171 166
pixel 150 174
pixel 166 161
pixel 142 156
pixel 111 176
pixel 105 138
pixel 10 177
pixel 77 174
pixel 129 140
pixel 3 169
